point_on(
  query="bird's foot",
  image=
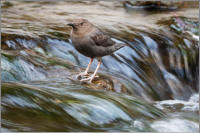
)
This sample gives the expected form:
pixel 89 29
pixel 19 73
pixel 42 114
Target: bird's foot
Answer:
pixel 82 75
pixel 87 80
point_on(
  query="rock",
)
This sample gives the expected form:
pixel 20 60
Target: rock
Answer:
pixel 159 5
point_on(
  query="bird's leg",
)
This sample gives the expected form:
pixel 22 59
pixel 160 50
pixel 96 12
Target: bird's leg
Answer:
pixel 86 70
pixel 93 75
pixel 88 67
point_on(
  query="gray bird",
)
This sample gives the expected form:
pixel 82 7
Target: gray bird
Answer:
pixel 91 42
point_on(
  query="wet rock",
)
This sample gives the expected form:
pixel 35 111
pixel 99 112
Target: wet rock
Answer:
pixel 181 24
pixel 101 81
pixel 108 83
pixel 177 105
pixel 159 5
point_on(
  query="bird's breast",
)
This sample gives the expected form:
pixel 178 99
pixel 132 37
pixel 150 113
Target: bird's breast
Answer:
pixel 80 41
pixel 84 45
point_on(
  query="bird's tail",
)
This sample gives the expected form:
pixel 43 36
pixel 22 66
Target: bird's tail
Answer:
pixel 111 49
pixel 114 48
pixel 118 46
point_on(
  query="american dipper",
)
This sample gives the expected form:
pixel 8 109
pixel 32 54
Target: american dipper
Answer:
pixel 91 42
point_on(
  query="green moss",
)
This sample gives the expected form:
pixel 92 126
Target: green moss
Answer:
pixel 58 35
pixel 8 57
pixel 6 4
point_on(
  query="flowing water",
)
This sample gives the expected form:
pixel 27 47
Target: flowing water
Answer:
pixel 150 85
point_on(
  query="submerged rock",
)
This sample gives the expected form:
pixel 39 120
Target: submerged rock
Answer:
pixel 72 107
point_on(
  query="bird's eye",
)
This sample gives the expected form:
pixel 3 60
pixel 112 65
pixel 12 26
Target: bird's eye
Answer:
pixel 82 23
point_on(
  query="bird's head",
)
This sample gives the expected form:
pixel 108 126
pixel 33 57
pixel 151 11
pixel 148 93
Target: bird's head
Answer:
pixel 80 25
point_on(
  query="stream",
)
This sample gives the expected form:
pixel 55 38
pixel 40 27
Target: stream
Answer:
pixel 151 85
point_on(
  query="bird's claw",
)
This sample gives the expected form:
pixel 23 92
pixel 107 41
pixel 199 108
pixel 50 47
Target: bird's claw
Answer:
pixel 82 75
pixel 87 80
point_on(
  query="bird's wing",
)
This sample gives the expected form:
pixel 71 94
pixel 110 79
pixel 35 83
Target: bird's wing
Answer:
pixel 102 39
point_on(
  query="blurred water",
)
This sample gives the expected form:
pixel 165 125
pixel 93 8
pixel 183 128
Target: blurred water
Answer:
pixel 150 85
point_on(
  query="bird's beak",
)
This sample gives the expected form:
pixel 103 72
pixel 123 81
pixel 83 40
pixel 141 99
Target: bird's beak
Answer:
pixel 71 24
